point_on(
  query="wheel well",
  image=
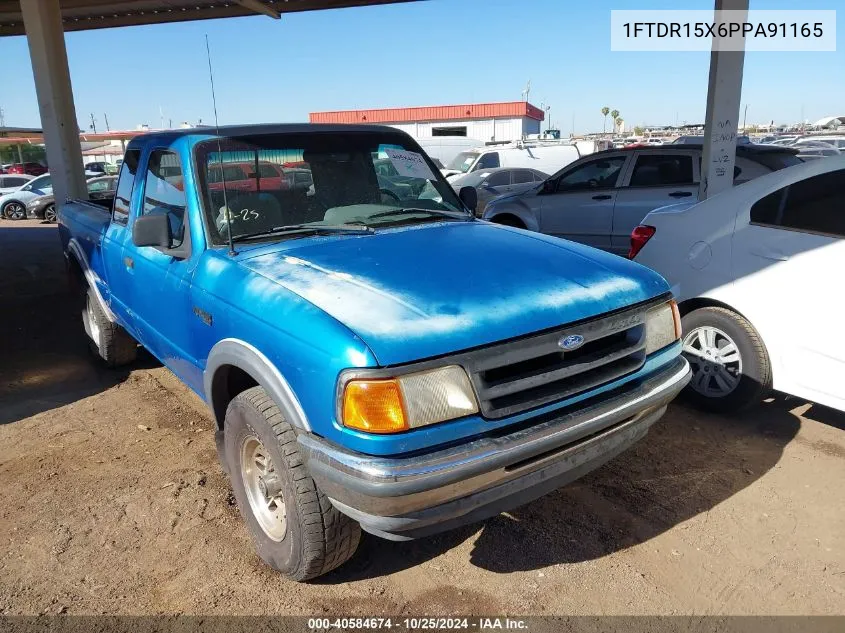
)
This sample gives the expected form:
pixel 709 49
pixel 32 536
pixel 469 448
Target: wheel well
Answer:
pixel 508 219
pixel 76 278
pixel 227 383
pixel 685 307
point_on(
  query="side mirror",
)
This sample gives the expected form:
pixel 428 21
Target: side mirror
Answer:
pixel 549 186
pixel 469 196
pixel 152 230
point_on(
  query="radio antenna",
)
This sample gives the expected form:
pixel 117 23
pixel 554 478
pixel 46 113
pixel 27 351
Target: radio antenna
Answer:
pixel 226 210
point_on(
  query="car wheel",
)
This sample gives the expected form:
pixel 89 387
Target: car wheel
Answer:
pixel 730 366
pixel 296 529
pixel 14 210
pixel 50 214
pixel 109 341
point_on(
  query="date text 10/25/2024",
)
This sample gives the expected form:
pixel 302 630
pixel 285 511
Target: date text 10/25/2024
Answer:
pixel 418 624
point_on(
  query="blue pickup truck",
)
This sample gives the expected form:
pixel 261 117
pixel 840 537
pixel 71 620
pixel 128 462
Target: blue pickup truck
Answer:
pixel 373 355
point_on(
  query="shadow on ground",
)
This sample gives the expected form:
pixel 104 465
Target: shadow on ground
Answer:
pixel 45 362
pixel 687 464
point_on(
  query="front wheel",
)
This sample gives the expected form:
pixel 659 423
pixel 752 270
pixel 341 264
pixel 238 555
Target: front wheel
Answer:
pixel 50 214
pixel 14 210
pixel 730 366
pixel 296 529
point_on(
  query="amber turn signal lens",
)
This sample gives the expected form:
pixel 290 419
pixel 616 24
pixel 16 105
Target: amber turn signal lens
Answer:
pixel 374 406
pixel 676 316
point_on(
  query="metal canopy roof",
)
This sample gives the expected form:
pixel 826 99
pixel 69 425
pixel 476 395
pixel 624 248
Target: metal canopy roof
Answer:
pixel 80 15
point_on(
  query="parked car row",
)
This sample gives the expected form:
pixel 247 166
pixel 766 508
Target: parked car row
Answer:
pixel 28 168
pixel 599 199
pixel 34 197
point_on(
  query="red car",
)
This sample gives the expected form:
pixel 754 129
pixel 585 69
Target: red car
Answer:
pixel 33 169
pixel 242 176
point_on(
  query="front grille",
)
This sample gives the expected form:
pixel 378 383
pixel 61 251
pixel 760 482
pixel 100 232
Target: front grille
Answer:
pixel 533 371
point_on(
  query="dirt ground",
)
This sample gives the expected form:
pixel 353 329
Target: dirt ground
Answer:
pixel 113 502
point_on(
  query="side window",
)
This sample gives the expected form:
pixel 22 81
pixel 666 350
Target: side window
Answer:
pixel 815 205
pixel 164 192
pixel 11 181
pixel 98 186
pixel 490 160
pixel 521 176
pixel 655 170
pixel 499 179
pixel 597 174
pixel 125 182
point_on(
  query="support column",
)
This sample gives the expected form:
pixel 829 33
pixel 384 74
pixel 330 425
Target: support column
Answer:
pixel 724 92
pixel 45 36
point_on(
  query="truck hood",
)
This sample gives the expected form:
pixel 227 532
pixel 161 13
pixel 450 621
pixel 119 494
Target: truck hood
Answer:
pixel 426 290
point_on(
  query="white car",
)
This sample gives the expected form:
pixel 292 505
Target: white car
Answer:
pixel 757 272
pixel 12 182
pixel 13 204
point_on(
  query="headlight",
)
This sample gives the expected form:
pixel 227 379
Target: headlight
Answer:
pixel 392 405
pixel 662 326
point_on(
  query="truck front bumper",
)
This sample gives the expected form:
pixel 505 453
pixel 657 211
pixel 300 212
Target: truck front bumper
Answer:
pixel 409 497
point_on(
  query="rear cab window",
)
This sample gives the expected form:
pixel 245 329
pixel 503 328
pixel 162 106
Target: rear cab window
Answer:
pixel 125 183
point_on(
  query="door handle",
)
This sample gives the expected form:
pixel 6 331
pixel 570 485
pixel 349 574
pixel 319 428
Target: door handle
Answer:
pixel 680 194
pixel 603 196
pixel 129 262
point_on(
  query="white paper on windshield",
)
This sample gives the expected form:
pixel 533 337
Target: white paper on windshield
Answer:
pixel 409 164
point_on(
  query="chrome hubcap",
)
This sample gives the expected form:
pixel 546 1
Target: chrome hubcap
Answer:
pixel 93 327
pixel 263 488
pixel 50 214
pixel 715 361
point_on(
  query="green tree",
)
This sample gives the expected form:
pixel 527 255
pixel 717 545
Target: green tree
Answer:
pixel 604 112
pixel 638 130
pixel 614 114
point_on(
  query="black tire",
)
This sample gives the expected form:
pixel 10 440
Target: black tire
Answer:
pixel 755 378
pixel 14 210
pixel 318 538
pixel 50 214
pixel 108 340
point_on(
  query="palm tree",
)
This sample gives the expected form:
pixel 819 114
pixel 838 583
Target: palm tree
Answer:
pixel 618 121
pixel 604 112
pixel 614 114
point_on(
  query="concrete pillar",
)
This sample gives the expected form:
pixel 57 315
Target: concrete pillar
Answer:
pixel 45 36
pixel 721 125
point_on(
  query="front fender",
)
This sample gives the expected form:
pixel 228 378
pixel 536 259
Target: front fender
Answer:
pixel 240 354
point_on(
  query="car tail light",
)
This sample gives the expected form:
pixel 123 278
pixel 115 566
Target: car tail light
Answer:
pixel 639 236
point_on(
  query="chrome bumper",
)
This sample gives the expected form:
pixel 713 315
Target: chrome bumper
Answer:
pixel 407 497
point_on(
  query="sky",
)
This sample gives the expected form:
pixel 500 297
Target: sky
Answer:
pixel 418 53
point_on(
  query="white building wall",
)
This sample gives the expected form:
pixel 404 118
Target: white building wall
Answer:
pixel 511 129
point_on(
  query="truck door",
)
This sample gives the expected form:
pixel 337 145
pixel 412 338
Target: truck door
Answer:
pixel 115 240
pixel 161 277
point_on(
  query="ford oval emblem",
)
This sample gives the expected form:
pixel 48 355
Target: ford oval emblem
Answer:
pixel 571 342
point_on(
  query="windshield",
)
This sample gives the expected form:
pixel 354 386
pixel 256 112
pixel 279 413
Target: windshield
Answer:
pixel 462 162
pixel 343 180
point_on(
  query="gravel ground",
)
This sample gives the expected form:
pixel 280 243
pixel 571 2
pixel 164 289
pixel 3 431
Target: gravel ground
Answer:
pixel 113 502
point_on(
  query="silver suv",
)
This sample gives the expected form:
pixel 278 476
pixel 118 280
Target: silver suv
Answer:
pixel 599 199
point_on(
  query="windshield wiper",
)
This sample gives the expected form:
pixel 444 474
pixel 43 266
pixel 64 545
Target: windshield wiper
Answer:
pixel 411 211
pixel 354 229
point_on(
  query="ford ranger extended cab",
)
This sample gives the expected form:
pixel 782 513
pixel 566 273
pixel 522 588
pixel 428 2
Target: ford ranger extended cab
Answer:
pixel 373 355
